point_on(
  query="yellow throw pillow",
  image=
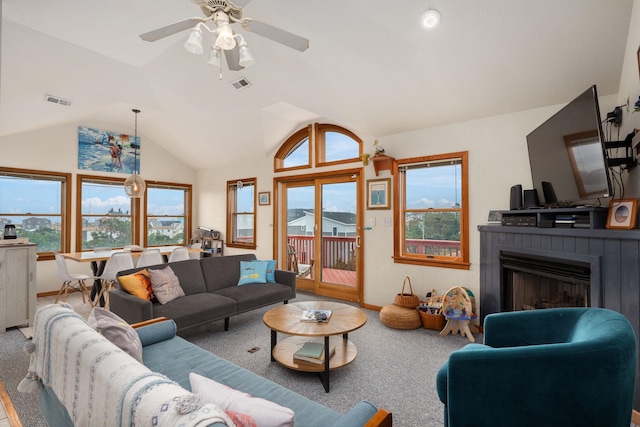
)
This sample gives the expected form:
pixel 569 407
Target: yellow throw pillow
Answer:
pixel 138 284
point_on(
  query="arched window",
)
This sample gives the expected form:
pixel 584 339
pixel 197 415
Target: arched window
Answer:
pixel 331 144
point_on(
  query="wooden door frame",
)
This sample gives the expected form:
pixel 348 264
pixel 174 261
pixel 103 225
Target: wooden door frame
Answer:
pixel 279 233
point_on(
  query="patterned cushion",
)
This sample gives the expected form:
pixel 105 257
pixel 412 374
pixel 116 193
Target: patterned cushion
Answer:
pixel 116 330
pixel 242 408
pixel 138 284
pixel 165 285
pixel 253 272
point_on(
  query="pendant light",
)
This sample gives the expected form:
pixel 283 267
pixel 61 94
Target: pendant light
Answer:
pixel 134 186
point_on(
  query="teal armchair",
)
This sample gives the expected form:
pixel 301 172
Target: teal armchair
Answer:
pixel 553 367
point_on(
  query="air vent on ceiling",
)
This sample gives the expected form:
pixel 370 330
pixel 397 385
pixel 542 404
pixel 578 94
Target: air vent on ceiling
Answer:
pixel 57 100
pixel 241 83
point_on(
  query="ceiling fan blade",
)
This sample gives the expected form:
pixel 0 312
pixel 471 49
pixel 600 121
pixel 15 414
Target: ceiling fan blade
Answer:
pixel 276 34
pixel 233 59
pixel 170 29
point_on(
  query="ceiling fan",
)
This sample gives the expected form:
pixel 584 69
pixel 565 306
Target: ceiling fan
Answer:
pixel 222 14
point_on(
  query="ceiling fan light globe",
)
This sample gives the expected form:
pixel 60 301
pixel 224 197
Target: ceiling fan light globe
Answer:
pixel 246 59
pixel 194 42
pixel 225 39
pixel 430 18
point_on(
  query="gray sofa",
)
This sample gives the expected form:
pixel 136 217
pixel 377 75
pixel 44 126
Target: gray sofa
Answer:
pixel 115 388
pixel 211 293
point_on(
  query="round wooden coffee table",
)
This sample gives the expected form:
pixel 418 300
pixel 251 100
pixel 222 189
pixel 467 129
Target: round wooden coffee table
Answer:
pixel 286 320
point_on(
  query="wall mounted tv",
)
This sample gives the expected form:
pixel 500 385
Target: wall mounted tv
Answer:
pixel 568 152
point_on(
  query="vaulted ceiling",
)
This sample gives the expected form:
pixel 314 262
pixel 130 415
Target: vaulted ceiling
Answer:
pixel 370 67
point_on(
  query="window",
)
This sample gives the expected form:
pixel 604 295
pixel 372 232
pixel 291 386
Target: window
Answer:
pixel 333 145
pixel 167 214
pixel 432 214
pixel 105 214
pixel 337 145
pixel 38 204
pixel 241 218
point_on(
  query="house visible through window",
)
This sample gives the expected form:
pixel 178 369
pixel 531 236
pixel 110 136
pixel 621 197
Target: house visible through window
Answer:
pixel 167 214
pixel 431 216
pixel 241 218
pixel 36 203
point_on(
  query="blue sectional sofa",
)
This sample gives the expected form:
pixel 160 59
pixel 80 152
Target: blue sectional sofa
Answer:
pixel 72 342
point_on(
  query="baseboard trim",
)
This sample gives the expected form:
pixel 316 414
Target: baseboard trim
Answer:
pixel 12 415
pixel 635 417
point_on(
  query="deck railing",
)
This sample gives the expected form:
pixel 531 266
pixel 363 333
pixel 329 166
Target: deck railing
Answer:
pixel 339 252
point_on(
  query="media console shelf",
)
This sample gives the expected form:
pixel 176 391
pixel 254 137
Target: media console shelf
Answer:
pixel 587 218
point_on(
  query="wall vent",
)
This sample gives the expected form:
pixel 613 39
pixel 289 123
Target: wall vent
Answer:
pixel 241 83
pixel 57 100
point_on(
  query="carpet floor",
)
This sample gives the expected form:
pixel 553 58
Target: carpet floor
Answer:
pixel 394 369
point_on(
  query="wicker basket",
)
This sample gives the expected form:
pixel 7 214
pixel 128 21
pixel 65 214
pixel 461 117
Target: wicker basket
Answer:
pixel 432 321
pixel 409 300
pixel 396 317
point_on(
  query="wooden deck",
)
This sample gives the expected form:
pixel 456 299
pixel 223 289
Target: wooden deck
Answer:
pixel 342 277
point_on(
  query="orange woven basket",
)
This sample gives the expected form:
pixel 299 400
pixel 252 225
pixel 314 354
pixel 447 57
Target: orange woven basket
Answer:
pixel 409 300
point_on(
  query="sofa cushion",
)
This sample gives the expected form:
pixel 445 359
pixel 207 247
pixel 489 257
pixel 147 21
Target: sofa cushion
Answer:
pixel 138 284
pixel 257 295
pixel 223 272
pixel 244 409
pixel 253 272
pixel 116 330
pixel 196 309
pixel 168 358
pixel 271 270
pixel 165 285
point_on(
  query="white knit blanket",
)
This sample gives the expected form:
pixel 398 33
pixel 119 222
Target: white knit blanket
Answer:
pixel 101 385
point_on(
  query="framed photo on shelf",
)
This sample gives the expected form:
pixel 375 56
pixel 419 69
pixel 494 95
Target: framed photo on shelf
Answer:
pixel 622 214
pixel 379 193
pixel 264 198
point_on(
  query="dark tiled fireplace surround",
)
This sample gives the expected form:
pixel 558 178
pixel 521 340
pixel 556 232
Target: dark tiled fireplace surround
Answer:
pixel 603 268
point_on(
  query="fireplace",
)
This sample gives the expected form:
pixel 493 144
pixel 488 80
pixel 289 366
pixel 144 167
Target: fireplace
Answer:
pixel 531 282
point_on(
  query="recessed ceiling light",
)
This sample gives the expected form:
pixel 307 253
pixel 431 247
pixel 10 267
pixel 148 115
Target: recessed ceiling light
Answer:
pixel 430 18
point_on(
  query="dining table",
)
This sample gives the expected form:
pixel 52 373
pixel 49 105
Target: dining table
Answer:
pixel 98 259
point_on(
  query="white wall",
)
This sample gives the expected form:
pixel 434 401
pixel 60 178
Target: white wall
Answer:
pixel 56 149
pixel 630 89
pixel 498 159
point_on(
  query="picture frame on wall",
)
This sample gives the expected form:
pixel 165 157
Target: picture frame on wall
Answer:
pixel 264 198
pixel 622 214
pixel 379 193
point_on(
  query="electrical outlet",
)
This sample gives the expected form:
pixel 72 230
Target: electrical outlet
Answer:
pixel 386 221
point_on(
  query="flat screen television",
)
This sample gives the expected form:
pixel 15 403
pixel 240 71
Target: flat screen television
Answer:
pixel 568 157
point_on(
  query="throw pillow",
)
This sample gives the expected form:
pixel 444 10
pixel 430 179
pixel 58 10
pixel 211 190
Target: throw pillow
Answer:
pixel 116 330
pixel 244 409
pixel 252 272
pixel 271 270
pixel 165 284
pixel 138 284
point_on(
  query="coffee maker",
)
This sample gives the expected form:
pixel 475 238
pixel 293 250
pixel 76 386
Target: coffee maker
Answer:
pixel 9 231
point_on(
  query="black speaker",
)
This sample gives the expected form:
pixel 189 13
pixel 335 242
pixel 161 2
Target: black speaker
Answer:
pixel 549 194
pixel 515 200
pixel 531 199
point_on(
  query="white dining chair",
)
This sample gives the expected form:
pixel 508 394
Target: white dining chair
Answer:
pixel 179 254
pixel 71 282
pixel 150 256
pixel 195 255
pixel 117 262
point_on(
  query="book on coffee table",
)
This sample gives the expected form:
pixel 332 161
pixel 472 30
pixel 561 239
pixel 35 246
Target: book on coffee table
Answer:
pixel 315 316
pixel 312 352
